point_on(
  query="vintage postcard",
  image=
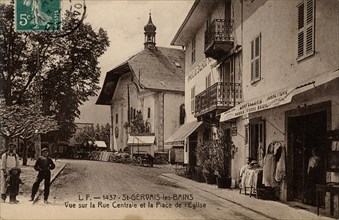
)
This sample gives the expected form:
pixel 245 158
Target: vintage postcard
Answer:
pixel 171 109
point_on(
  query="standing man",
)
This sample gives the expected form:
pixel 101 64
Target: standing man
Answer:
pixel 43 165
pixel 9 160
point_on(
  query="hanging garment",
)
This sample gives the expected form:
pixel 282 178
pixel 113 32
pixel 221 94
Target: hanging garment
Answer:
pixel 261 153
pixel 281 165
pixel 269 168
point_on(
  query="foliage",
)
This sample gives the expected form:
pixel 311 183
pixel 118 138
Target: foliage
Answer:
pixel 63 72
pixel 224 152
pixel 85 135
pixel 204 155
pixel 138 125
pixel 89 134
pixel 24 121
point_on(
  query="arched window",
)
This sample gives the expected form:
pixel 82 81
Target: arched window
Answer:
pixel 182 114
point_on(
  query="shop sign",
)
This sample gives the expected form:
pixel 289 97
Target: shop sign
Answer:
pixel 266 102
pixel 205 65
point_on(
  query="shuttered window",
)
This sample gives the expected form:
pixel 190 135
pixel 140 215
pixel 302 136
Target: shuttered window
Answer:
pixel 193 99
pixel 306 16
pixel 255 59
pixel 208 81
pixel 193 50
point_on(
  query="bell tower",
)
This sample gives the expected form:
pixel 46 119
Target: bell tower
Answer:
pixel 150 29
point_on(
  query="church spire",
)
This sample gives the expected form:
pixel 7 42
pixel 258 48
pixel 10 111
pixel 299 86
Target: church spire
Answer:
pixel 150 29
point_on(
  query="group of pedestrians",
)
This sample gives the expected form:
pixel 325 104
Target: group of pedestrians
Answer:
pixel 10 175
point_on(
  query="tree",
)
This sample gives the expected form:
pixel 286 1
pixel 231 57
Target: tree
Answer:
pixel 88 133
pixel 24 122
pixel 85 135
pixel 61 71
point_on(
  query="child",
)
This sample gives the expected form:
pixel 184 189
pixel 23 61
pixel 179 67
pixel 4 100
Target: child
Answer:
pixel 43 165
pixel 13 182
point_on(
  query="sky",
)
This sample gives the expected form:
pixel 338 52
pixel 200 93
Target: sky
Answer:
pixel 124 22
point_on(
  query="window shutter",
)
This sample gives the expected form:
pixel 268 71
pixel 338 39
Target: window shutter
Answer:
pixel 309 40
pixel 300 16
pixel 252 62
pixel 309 11
pixel 257 69
pixel 257 57
pixel 310 26
pixel 193 99
pixel 306 15
pixel 257 46
pixel 301 44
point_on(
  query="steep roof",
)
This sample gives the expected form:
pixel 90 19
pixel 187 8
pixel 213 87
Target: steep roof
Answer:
pixel 160 69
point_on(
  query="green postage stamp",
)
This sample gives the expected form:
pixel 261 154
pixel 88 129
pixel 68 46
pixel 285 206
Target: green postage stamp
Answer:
pixel 38 15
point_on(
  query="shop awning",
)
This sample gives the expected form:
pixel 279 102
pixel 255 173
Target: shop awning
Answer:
pixel 100 144
pixel 277 98
pixel 183 132
pixel 140 140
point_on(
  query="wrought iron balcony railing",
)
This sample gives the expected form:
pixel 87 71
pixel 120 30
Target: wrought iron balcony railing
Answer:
pixel 218 37
pixel 219 96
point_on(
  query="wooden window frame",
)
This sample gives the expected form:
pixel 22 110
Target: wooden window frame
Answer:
pixel 256 59
pixel 261 138
pixel 305 29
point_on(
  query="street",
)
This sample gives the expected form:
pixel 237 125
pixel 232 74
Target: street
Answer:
pixel 92 189
pixel 96 182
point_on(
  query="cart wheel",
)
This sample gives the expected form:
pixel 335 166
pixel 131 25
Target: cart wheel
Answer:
pixel 139 161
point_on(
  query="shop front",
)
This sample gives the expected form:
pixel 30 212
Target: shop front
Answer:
pixel 289 126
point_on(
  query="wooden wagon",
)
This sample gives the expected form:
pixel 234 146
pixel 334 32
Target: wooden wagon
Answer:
pixel 142 148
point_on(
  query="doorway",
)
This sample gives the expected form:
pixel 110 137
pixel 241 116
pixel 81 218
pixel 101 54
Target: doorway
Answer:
pixel 192 149
pixel 305 132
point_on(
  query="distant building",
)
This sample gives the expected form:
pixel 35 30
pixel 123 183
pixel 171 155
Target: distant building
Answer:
pixel 150 82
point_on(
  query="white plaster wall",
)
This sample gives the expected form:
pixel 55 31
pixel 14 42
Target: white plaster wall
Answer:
pixel 149 102
pixel 172 102
pixel 119 106
pixel 279 66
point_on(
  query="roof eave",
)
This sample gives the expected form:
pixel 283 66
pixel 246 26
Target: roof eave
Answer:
pixel 121 69
pixel 184 24
pixel 194 20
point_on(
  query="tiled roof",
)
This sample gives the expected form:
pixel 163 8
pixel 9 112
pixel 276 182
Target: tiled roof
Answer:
pixel 159 69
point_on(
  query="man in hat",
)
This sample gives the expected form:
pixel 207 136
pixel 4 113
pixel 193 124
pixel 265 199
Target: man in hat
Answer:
pixel 9 160
pixel 43 165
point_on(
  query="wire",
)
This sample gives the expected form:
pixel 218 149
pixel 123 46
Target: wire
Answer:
pixel 274 126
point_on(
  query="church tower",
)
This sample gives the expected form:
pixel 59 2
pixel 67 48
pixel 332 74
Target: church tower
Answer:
pixel 150 29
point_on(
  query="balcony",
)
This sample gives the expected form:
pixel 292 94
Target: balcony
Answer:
pixel 219 38
pixel 218 98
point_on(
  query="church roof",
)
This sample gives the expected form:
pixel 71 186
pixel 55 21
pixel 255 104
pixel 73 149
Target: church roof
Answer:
pixel 160 69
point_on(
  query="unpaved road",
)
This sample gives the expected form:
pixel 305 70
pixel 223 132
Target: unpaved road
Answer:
pixel 92 189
